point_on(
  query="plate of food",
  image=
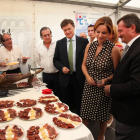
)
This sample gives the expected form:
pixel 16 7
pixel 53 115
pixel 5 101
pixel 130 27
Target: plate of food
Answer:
pixel 11 132
pixel 56 107
pixel 30 113
pixel 42 132
pixel 48 99
pixel 12 63
pixel 7 115
pixel 67 121
pixel 26 102
pixel 6 104
pixel 22 84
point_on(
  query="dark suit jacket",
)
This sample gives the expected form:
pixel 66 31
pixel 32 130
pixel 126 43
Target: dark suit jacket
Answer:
pixel 61 60
pixel 125 88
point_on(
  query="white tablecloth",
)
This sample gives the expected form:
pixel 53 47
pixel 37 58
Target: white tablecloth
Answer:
pixel 79 133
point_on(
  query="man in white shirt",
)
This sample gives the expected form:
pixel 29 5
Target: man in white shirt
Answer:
pixel 44 57
pixel 8 54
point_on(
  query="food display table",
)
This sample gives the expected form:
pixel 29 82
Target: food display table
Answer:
pixel 79 133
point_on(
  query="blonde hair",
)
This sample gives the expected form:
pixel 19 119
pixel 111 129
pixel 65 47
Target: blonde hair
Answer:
pixel 115 34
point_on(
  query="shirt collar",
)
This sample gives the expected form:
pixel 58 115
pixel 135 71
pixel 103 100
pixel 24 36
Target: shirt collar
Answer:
pixel 3 47
pixel 132 40
pixel 52 41
pixel 73 38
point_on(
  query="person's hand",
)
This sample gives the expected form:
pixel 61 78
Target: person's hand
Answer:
pixel 3 65
pixel 107 90
pixel 90 81
pixel 24 59
pixel 65 70
pixel 102 84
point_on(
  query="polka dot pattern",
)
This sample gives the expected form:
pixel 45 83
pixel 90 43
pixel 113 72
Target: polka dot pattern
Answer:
pixel 95 105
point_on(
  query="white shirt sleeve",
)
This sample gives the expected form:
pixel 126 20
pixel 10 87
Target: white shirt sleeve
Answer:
pixel 37 57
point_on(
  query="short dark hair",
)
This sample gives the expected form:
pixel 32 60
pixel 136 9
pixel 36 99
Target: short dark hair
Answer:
pixel 65 22
pixel 130 19
pixel 91 25
pixel 1 37
pixel 44 28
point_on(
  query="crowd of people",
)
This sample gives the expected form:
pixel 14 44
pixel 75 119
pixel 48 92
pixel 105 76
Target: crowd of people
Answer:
pixel 96 78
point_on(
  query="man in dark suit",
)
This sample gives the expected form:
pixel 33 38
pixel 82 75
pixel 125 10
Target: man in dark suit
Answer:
pixel 125 87
pixel 68 59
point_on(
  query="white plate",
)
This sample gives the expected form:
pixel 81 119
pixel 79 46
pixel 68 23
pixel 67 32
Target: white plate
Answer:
pixel 12 63
pixel 55 105
pixel 7 107
pixel 11 125
pixel 46 132
pixel 48 98
pixel 6 110
pixel 75 126
pixel 38 83
pixel 29 114
pixel 22 103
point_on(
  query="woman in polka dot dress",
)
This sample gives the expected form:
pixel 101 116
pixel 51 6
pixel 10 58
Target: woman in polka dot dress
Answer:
pixel 99 60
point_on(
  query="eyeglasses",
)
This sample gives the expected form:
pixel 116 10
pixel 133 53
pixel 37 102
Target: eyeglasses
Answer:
pixel 8 39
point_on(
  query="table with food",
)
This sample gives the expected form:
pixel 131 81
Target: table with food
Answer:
pixel 37 114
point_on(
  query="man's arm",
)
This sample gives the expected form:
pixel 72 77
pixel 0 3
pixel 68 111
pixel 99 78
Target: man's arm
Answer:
pixel 86 42
pixel 56 60
pixel 131 88
pixel 2 62
pixel 3 65
pixel 37 57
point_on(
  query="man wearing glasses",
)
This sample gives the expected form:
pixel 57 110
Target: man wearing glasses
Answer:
pixel 9 54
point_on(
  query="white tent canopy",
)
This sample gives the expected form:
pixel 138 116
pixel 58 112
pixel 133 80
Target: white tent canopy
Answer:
pixel 131 3
pixel 25 18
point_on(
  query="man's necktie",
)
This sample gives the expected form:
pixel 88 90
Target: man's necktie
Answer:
pixel 70 56
pixel 124 51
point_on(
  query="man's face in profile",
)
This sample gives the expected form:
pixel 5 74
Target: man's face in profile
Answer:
pixel 123 32
pixel 7 40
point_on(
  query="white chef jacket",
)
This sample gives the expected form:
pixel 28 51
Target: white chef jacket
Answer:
pixel 9 56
